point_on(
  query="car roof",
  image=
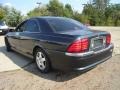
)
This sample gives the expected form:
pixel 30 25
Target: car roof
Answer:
pixel 49 17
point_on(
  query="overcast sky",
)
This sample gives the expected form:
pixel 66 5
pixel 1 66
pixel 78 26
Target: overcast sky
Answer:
pixel 26 5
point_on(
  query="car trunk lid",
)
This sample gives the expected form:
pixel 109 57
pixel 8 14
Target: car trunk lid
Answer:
pixel 97 39
pixel 80 32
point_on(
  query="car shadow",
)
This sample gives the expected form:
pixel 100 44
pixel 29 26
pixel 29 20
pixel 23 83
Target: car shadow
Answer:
pixel 31 67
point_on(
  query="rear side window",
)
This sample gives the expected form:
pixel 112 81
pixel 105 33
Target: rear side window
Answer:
pixel 44 26
pixel 63 24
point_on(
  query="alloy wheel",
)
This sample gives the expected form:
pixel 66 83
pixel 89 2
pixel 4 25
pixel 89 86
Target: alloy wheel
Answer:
pixel 41 60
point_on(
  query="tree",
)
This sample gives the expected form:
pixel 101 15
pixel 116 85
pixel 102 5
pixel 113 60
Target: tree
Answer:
pixel 98 11
pixel 92 13
pixel 39 11
pixel 13 17
pixel 89 9
pixel 68 11
pixel 2 13
pixel 68 6
pixel 81 17
pixel 112 13
pixel 10 15
pixel 116 14
pixel 101 4
pixel 56 8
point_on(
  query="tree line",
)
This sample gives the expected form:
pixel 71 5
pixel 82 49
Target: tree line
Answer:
pixel 95 13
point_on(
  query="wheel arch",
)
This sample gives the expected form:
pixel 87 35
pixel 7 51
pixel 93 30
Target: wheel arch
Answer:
pixel 6 40
pixel 36 47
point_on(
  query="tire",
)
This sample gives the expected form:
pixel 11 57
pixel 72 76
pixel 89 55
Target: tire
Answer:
pixel 42 61
pixel 8 47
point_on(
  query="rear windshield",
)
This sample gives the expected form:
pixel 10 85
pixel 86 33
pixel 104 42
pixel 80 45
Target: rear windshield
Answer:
pixel 64 24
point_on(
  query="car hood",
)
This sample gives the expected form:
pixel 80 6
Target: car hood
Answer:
pixel 3 27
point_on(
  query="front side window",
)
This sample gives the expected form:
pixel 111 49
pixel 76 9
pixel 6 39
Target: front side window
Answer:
pixel 63 24
pixel 28 26
pixel 21 27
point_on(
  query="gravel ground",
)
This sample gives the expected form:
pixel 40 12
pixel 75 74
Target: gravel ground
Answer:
pixel 105 76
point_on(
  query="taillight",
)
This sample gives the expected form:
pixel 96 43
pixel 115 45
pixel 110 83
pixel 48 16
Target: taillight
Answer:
pixel 77 46
pixel 108 39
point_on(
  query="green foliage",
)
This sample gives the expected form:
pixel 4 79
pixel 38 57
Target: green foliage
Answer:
pixel 97 16
pixel 39 11
pixel 10 15
pixel 81 17
pixel 56 8
pixel 101 4
pixel 112 13
pixel 68 12
pixel 95 12
pixel 109 21
pixel 13 17
pixel 2 13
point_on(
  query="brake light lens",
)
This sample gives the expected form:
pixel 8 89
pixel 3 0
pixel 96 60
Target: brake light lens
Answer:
pixel 80 45
pixel 108 39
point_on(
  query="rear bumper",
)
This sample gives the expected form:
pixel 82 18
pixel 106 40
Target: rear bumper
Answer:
pixel 79 61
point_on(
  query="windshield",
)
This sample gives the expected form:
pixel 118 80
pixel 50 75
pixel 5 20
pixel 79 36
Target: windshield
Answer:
pixel 2 23
pixel 64 24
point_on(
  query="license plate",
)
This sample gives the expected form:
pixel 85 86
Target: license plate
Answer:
pixel 97 43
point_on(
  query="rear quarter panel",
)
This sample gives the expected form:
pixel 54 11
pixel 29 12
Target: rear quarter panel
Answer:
pixel 55 42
